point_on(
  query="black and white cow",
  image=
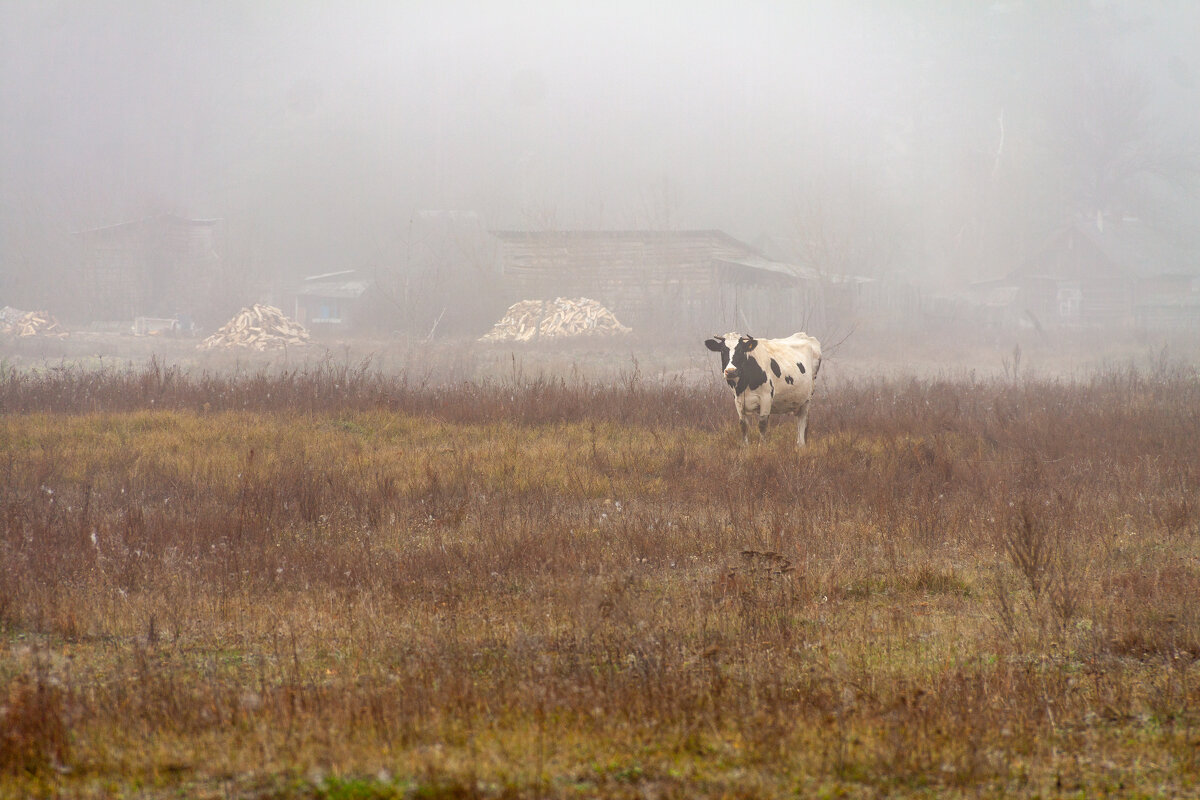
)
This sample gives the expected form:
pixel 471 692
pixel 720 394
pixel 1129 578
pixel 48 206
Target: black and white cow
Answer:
pixel 769 376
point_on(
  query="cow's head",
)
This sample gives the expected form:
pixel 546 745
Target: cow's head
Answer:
pixel 733 348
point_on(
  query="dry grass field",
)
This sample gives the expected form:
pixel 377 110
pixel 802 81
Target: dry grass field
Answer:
pixel 330 582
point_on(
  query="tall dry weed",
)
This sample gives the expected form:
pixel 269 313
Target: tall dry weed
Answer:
pixel 346 571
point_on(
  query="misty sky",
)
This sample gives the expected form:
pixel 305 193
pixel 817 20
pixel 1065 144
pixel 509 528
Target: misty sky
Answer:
pixel 316 130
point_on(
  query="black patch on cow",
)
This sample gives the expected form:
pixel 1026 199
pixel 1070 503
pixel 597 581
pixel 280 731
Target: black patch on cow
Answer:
pixel 749 374
pixel 775 368
pixel 801 366
pixel 718 346
pixel 789 379
pixel 772 388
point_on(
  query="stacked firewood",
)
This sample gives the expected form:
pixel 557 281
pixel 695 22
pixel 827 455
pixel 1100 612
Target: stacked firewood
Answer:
pixel 14 322
pixel 258 327
pixel 532 319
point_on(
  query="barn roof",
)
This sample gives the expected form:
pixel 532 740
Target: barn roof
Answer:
pixel 758 262
pixel 339 289
pixel 613 235
pixel 588 248
pixel 340 284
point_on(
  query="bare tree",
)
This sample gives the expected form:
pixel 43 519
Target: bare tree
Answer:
pixel 1106 137
pixel 844 225
pixel 438 277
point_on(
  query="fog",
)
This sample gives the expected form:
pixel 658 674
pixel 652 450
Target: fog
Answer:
pixel 937 140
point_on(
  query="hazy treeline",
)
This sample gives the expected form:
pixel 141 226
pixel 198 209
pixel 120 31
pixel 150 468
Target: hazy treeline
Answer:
pixel 942 139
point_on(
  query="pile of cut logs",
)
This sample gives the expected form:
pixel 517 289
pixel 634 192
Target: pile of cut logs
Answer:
pixel 14 322
pixel 258 327
pixel 533 319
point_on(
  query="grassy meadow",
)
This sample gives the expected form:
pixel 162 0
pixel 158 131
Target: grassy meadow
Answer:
pixel 332 583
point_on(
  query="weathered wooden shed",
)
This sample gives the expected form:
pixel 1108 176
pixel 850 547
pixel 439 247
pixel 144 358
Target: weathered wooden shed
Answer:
pixel 1112 274
pixel 160 266
pixel 664 282
pixel 331 300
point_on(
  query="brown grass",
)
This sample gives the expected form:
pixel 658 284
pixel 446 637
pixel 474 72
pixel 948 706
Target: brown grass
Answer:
pixel 332 583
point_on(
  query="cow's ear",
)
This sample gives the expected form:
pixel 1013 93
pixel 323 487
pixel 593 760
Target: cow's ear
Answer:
pixel 750 343
pixel 715 344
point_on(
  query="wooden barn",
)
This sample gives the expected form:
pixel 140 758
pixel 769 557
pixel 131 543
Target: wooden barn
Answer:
pixel 162 266
pixel 679 283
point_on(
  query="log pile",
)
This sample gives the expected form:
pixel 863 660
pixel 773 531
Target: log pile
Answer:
pixel 14 322
pixel 258 327
pixel 562 317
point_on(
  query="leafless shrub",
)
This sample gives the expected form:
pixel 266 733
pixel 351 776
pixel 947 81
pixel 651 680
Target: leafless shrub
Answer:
pixel 1029 546
pixel 33 725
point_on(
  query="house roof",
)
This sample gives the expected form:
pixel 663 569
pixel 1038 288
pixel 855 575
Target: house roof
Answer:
pixel 1127 248
pixel 612 235
pixel 326 276
pixel 759 262
pixel 339 289
pixel 342 284
pixel 594 247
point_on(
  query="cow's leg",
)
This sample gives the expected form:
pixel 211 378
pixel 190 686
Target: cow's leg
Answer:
pixel 739 405
pixel 764 414
pixel 754 419
pixel 802 425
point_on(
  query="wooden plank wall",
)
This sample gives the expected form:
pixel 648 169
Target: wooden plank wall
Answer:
pixel 151 267
pixel 654 283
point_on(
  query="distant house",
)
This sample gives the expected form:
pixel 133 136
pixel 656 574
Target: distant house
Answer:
pixel 331 299
pixel 1092 274
pixel 1076 279
pixel 161 266
pixel 670 282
